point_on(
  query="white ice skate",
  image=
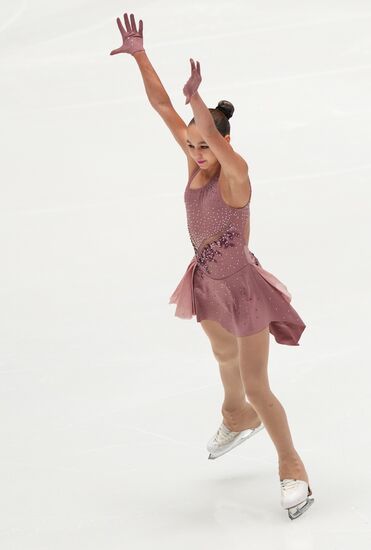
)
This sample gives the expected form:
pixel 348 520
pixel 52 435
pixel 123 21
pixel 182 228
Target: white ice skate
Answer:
pixel 294 497
pixel 225 440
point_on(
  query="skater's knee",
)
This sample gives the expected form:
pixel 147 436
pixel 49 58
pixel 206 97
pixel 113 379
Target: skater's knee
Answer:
pixel 257 391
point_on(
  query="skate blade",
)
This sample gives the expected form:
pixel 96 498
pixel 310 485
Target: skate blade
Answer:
pixel 296 511
pixel 247 436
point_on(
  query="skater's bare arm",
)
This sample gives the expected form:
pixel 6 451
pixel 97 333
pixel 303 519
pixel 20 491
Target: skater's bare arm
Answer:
pixel 234 166
pixel 160 100
pixel 155 90
pixel 132 43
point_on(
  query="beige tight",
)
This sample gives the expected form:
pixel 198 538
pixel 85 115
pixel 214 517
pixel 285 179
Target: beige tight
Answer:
pixel 243 366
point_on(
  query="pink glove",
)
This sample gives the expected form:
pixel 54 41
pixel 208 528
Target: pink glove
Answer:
pixel 194 81
pixel 132 40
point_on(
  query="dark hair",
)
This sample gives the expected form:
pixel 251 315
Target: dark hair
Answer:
pixel 221 114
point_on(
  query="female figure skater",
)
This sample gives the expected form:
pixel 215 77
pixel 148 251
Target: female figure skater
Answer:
pixel 237 302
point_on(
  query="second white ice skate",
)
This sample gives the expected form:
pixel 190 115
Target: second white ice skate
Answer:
pixel 225 439
pixel 295 495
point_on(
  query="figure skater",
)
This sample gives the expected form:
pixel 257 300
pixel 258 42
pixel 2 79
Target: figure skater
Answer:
pixel 237 302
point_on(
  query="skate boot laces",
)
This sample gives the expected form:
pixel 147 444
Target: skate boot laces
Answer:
pixel 224 435
pixel 288 484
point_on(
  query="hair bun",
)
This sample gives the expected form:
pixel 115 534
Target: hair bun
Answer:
pixel 226 107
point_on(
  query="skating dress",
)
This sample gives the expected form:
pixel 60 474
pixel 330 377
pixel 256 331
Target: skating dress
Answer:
pixel 224 281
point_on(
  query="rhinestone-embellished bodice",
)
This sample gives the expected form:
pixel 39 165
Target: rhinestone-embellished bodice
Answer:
pixel 224 281
pixel 218 232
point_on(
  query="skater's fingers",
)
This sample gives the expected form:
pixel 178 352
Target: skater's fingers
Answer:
pixel 121 28
pixel 127 23
pixel 140 27
pixel 198 68
pixel 133 24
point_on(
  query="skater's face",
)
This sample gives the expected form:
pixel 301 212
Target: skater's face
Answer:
pixel 199 149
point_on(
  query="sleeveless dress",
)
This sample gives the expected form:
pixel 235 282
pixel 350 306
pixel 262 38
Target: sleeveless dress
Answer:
pixel 224 281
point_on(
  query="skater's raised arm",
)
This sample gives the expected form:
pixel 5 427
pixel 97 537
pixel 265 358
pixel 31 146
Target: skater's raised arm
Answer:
pixel 156 93
pixel 233 165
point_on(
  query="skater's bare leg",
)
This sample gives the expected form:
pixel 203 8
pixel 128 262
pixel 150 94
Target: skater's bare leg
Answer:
pixel 253 361
pixel 237 413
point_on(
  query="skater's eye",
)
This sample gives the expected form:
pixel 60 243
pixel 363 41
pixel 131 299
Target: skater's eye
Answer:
pixel 202 146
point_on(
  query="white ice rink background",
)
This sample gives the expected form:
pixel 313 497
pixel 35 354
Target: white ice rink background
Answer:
pixel 107 399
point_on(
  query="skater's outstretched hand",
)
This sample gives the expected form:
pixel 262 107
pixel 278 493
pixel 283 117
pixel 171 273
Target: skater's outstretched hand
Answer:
pixel 193 82
pixel 132 39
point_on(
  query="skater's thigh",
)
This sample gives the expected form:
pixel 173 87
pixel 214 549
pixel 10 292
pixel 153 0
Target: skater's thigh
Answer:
pixel 223 343
pixel 253 354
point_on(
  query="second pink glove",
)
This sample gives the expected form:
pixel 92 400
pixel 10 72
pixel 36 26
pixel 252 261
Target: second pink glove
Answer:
pixel 193 82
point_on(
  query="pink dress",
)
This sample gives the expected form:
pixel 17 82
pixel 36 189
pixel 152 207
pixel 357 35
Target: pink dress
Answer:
pixel 224 281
